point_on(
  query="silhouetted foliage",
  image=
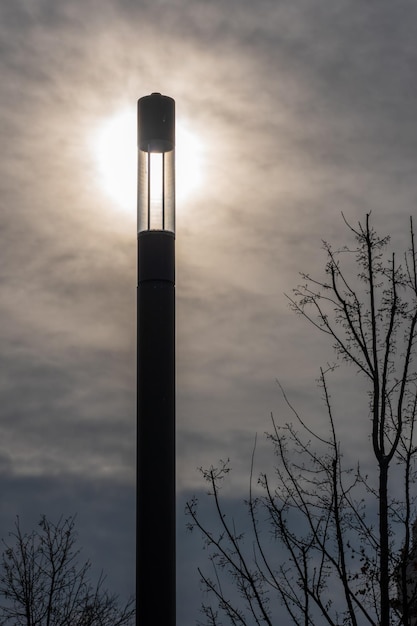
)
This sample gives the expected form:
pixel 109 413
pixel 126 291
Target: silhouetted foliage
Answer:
pixel 42 582
pixel 336 531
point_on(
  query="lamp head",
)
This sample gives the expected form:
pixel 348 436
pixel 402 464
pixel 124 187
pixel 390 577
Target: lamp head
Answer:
pixel 156 163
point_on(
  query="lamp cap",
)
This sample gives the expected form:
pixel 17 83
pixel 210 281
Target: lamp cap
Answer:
pixel 156 123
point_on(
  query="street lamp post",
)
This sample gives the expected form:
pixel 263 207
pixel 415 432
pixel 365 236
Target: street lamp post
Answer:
pixel 155 512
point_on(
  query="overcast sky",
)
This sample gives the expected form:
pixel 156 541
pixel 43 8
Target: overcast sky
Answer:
pixel 303 110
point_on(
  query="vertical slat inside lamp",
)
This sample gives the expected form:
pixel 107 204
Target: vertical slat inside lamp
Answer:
pixel 155 553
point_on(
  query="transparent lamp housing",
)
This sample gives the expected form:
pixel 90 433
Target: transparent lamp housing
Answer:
pixel 156 192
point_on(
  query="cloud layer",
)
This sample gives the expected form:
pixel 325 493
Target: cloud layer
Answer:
pixel 305 109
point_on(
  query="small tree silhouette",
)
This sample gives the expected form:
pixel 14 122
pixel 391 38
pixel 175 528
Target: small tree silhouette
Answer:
pixel 42 582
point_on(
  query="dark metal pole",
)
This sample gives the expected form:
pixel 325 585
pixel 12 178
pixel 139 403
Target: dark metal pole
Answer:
pixel 155 552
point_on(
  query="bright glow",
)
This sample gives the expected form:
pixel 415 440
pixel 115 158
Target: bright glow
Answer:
pixel 189 157
pixel 156 188
pixel 115 151
pixel 155 183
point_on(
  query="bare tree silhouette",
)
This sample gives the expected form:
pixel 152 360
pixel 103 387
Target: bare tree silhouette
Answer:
pixel 337 532
pixel 42 582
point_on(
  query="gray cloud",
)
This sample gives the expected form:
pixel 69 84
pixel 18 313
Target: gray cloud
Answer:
pixel 305 109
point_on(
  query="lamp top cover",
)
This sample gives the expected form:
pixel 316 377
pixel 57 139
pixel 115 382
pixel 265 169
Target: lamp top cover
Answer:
pixel 156 123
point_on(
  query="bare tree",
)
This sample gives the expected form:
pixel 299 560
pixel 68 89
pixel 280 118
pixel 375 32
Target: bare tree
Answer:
pixel 42 582
pixel 343 540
